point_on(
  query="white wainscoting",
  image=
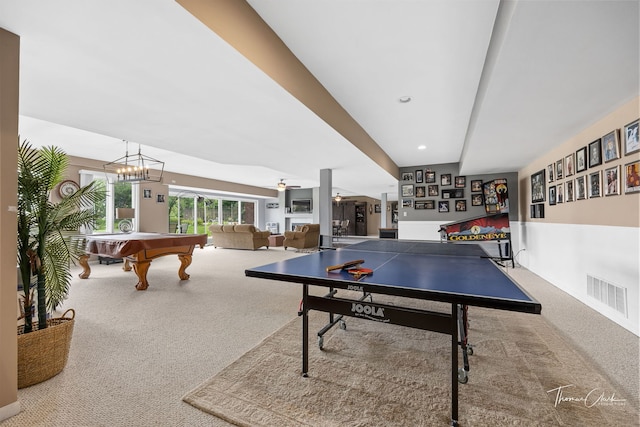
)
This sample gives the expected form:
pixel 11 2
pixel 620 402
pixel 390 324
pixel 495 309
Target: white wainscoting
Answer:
pixel 419 230
pixel 429 230
pixel 565 254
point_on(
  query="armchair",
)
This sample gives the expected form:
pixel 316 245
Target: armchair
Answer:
pixel 307 237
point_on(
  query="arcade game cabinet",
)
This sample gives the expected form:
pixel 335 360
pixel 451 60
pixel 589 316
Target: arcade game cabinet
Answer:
pixel 493 227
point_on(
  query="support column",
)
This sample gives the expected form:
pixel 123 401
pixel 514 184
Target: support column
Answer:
pixel 326 206
pixel 9 84
pixel 383 210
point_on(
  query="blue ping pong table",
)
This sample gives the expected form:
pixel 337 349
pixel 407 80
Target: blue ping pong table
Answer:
pixel 459 274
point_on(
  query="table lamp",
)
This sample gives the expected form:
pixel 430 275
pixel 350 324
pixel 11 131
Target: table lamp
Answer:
pixel 125 214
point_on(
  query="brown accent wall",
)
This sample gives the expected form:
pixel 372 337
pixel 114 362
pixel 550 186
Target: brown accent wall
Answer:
pixel 9 83
pixel 154 216
pixel 618 210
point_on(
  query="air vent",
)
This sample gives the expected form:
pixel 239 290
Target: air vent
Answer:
pixel 612 295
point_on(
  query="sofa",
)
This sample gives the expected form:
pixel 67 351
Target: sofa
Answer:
pixel 239 236
pixel 303 237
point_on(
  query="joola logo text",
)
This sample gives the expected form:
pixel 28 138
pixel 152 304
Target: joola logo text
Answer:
pixel 367 310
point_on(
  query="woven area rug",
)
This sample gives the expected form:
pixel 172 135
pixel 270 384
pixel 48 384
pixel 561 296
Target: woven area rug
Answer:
pixel 522 373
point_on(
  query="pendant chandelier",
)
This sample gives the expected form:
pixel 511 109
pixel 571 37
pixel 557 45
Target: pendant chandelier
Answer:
pixel 135 167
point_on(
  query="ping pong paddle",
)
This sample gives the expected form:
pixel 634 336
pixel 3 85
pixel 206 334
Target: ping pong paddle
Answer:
pixel 359 272
pixel 346 265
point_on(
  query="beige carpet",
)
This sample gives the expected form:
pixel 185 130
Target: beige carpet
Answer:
pixel 384 375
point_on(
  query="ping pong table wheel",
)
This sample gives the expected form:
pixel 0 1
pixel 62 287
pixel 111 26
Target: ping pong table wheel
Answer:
pixel 320 341
pixel 343 325
pixel 469 349
pixel 463 378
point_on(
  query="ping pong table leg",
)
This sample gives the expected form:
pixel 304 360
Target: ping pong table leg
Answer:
pixel 463 376
pixel 454 364
pixel 305 331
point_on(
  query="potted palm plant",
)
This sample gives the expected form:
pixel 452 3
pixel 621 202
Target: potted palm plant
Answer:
pixel 46 248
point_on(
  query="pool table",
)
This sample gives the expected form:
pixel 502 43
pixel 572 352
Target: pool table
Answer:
pixel 139 249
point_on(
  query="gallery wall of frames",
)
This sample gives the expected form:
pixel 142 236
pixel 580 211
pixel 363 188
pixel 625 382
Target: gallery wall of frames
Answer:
pixel 604 167
pixel 441 192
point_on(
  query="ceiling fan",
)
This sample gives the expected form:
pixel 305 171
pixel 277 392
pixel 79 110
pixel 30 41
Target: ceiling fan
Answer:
pixel 281 186
pixel 339 198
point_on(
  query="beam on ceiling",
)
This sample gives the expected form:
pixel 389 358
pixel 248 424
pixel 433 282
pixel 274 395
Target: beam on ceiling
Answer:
pixel 239 24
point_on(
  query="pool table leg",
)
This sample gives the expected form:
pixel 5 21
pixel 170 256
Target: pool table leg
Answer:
pixel 185 261
pixel 83 260
pixel 141 268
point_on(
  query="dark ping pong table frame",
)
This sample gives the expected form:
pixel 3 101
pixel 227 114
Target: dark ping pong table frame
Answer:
pixel 452 324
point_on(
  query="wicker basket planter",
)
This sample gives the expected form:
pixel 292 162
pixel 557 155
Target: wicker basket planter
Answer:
pixel 43 354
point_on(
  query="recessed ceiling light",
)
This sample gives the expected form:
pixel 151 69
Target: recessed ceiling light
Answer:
pixel 404 99
pixel 422 147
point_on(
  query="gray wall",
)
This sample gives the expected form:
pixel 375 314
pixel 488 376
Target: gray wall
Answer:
pixel 412 214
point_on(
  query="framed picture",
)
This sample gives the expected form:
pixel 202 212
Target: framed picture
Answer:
pixel 551 172
pixel 538 187
pixel 461 205
pixel 568 190
pixel 594 185
pixel 443 206
pixel 560 169
pixel 419 177
pixel 611 146
pixel 146 193
pixel 476 200
pixel 429 204
pixel 429 177
pixel 160 198
pixel 377 208
pixel 420 191
pixel 632 177
pixel 612 181
pixel 581 159
pixel 432 190
pixel 407 176
pixel 569 165
pixel 407 203
pixel 560 193
pixel 581 188
pixel 419 205
pixel 631 141
pixel 452 194
pixel 552 195
pixel 460 181
pixel 537 211
pixel 445 179
pixel 476 185
pixel 595 153
pixel 407 190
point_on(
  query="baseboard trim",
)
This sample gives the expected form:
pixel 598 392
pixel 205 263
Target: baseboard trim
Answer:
pixel 9 410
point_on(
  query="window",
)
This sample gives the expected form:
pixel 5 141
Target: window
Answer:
pixel 230 212
pixel 122 198
pixel 116 195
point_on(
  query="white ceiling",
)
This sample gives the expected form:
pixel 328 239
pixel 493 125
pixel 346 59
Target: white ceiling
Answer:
pixel 494 85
